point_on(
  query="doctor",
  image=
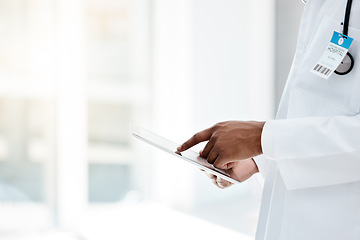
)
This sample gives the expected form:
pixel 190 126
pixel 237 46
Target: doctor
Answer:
pixel 309 157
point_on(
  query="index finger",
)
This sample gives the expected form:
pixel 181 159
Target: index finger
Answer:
pixel 197 138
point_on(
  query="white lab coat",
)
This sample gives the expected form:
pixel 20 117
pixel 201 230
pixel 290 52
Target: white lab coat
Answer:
pixel 311 160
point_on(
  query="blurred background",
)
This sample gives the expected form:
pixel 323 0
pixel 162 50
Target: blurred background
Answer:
pixel 75 73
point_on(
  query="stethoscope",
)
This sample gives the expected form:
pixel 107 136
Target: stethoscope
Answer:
pixel 347 63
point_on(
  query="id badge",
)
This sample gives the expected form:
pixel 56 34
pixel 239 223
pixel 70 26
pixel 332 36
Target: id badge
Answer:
pixel 333 55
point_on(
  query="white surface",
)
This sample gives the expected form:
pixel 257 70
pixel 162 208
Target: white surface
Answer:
pixel 151 221
pixel 133 222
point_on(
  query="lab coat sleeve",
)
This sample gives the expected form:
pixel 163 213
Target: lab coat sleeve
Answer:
pixel 314 151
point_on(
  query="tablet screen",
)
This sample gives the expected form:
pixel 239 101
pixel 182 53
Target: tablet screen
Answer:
pixel 170 147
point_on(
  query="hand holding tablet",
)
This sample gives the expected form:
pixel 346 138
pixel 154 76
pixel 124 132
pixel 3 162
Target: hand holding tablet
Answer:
pixel 188 155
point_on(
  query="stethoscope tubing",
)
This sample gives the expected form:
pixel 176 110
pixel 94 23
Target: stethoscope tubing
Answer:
pixel 349 64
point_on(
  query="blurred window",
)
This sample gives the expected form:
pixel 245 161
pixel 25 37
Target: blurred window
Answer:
pixel 117 81
pixel 35 44
pixel 27 122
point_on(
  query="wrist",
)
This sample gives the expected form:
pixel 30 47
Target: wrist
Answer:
pixel 255 168
pixel 259 128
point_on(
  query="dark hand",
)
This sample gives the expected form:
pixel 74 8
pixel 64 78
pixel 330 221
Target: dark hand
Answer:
pixel 228 142
pixel 241 171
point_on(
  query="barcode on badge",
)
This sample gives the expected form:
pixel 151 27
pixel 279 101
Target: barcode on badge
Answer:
pixel 322 70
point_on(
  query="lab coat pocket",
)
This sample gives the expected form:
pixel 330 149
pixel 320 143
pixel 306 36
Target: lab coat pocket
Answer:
pixel 340 91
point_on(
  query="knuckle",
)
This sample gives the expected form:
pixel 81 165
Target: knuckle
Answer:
pixel 222 124
pixel 195 136
pixel 214 137
pixel 216 126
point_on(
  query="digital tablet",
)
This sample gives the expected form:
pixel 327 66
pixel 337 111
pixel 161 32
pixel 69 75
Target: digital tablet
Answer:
pixel 170 147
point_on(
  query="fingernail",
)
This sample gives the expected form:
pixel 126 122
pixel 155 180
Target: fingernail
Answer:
pixel 179 148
